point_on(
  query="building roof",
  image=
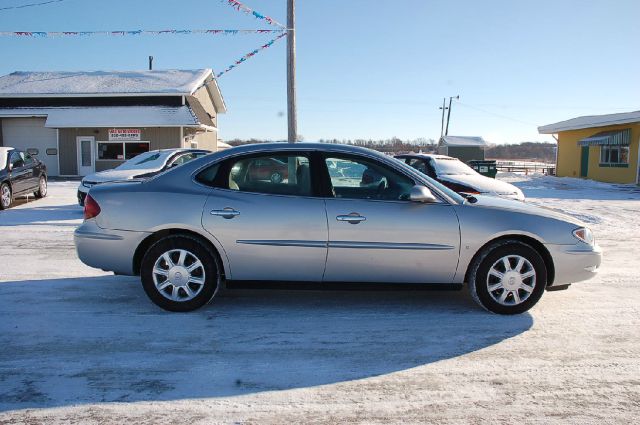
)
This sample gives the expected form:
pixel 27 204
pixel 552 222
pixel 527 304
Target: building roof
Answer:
pixel 170 82
pixel 111 116
pixel 590 121
pixel 462 141
pixel 198 110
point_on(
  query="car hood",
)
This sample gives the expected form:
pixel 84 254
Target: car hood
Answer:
pixel 116 175
pixel 481 183
pixel 522 207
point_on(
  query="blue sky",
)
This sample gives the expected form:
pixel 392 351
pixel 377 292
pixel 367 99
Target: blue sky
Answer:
pixel 367 69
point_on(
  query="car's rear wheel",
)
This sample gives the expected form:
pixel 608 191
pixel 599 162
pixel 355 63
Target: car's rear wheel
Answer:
pixel 42 188
pixel 5 196
pixel 507 277
pixel 179 273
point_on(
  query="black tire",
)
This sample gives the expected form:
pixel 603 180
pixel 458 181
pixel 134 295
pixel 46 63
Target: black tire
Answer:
pixel 5 202
pixel 40 193
pixel 480 279
pixel 210 268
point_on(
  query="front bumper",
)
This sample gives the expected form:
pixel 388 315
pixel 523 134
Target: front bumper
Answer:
pixel 109 250
pixel 574 263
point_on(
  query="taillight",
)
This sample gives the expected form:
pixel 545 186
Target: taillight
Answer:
pixel 91 208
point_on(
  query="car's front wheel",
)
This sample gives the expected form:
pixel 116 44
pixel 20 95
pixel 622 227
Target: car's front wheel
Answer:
pixel 42 188
pixel 507 277
pixel 5 196
pixel 179 273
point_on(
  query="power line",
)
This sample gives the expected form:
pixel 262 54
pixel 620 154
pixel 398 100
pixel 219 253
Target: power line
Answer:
pixel 497 115
pixel 22 6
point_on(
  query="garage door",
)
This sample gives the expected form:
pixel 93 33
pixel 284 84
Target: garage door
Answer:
pixel 30 134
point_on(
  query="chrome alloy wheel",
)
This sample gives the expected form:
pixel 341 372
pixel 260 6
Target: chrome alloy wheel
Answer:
pixel 178 275
pixel 5 196
pixel 511 280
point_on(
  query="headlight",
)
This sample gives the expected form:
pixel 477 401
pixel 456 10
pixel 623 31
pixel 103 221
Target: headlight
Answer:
pixel 584 234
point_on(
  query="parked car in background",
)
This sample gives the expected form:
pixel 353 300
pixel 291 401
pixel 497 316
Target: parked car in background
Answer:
pixel 271 169
pixel 20 174
pixel 141 166
pixel 458 176
pixel 210 219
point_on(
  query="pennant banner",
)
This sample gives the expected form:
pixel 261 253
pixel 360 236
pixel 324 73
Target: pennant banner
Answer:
pixel 242 8
pixel 251 54
pixel 22 6
pixel 43 34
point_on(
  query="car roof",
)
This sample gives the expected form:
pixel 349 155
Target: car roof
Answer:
pixel 424 155
pixel 305 146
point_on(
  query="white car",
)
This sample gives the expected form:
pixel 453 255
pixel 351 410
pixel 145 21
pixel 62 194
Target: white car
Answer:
pixel 458 176
pixel 141 166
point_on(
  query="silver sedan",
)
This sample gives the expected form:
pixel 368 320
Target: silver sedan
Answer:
pixel 335 214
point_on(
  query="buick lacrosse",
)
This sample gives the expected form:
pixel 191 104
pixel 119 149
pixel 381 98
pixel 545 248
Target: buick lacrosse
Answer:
pixel 337 214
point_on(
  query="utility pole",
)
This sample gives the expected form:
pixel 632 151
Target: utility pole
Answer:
pixel 292 119
pixel 444 108
pixel 446 132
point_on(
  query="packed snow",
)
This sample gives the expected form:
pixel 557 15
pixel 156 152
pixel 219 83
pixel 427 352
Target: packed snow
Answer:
pixel 84 346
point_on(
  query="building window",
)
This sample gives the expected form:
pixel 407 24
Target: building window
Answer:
pixel 120 151
pixel 614 155
pixel 132 149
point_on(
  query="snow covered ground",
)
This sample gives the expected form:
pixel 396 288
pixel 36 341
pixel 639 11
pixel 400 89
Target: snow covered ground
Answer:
pixel 78 345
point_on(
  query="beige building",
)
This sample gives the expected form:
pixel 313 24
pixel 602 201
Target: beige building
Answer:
pixel 81 122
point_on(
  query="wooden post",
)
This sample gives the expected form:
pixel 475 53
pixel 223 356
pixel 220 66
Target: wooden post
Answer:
pixel 292 119
pixel 444 109
pixel 150 63
pixel 446 131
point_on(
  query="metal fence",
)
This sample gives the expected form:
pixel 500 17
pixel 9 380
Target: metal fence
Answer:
pixel 526 167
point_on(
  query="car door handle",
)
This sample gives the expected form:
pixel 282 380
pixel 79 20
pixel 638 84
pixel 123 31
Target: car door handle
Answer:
pixel 353 218
pixel 225 213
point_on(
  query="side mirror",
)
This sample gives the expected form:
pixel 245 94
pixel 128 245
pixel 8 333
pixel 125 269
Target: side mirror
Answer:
pixel 422 194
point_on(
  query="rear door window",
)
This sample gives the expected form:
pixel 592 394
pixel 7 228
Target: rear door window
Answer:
pixel 269 174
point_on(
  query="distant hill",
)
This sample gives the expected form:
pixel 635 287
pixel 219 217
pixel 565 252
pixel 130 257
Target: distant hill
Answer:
pixel 530 151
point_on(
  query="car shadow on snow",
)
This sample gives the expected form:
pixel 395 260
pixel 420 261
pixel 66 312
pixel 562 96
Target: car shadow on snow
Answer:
pixel 90 340
pixel 59 215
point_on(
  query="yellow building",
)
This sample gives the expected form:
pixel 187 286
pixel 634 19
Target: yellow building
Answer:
pixel 600 147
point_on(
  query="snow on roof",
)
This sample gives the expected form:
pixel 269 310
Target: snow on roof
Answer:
pixel 109 116
pixel 591 121
pixel 462 141
pixel 65 83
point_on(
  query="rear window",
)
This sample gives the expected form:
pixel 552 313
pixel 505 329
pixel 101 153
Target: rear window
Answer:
pixel 208 175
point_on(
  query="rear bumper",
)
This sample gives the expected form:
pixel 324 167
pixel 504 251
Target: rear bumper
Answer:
pixel 574 263
pixel 109 250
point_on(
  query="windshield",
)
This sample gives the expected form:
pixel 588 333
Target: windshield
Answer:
pixel 452 167
pixel 149 160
